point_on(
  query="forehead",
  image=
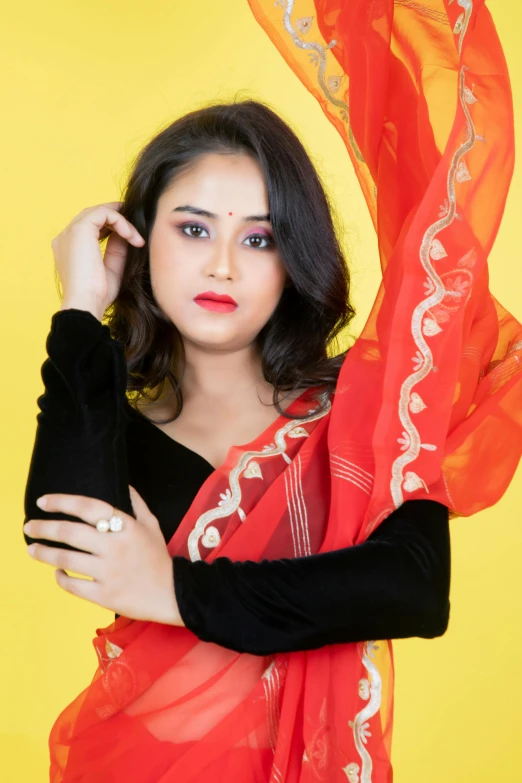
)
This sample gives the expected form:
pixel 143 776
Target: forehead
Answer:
pixel 221 183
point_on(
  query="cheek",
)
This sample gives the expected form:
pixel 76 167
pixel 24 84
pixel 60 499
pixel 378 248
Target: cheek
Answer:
pixel 169 267
pixel 268 284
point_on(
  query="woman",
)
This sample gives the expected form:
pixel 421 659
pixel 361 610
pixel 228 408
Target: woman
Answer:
pixel 164 704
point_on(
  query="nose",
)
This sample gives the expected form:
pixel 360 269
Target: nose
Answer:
pixel 221 264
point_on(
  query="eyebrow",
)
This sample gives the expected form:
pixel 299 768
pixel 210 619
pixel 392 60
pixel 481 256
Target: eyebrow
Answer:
pixel 206 213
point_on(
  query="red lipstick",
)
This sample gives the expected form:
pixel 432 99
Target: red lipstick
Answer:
pixel 221 303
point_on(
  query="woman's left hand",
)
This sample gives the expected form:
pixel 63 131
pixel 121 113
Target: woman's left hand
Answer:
pixel 131 570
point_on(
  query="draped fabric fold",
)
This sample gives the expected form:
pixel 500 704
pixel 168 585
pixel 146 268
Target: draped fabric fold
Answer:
pixel 428 405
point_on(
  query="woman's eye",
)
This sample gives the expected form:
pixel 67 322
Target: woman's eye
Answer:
pixel 267 239
pixel 192 225
pixel 269 242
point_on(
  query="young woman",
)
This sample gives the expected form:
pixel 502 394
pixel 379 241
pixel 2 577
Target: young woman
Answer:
pixel 247 579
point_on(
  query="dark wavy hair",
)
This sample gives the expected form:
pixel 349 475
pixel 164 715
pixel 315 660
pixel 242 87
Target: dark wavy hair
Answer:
pixel 314 307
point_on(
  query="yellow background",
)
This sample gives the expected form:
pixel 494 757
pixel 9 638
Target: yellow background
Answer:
pixel 85 85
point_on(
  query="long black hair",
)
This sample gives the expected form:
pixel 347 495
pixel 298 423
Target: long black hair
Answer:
pixel 313 309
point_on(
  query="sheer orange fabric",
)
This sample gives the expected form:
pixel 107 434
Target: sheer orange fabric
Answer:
pixel 428 405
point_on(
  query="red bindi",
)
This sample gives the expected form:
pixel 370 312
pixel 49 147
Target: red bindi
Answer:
pixel 230 213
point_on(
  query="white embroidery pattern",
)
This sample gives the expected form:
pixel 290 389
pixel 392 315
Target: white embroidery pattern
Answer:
pixel 297 512
pixel 438 16
pixel 317 751
pixel 349 471
pixel 317 55
pixel 119 682
pixel 272 686
pixel 231 498
pixel 107 655
pixel 368 689
pixel 433 249
pixel 423 325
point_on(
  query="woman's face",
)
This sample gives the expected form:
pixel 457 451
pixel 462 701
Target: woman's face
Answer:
pixel 227 250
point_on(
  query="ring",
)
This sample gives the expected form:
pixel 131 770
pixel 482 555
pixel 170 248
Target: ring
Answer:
pixel 114 524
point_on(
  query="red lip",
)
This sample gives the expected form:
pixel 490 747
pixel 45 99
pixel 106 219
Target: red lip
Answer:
pixel 216 297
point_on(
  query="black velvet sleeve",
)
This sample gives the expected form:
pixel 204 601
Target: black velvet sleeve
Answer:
pixel 79 446
pixel 394 585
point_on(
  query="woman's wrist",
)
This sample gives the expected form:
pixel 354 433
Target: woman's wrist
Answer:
pixel 83 303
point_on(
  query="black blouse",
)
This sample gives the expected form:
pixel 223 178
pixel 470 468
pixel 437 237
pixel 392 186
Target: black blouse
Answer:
pixel 91 441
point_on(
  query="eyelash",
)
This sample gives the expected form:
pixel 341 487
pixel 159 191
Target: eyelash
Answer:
pixel 267 238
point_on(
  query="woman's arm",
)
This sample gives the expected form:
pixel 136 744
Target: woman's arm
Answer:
pixel 393 585
pixel 79 444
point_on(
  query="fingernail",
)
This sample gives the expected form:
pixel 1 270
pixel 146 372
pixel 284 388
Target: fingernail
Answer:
pixel 41 502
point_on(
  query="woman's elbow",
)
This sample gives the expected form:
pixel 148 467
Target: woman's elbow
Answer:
pixel 435 622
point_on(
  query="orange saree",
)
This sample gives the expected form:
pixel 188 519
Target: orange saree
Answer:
pixel 428 405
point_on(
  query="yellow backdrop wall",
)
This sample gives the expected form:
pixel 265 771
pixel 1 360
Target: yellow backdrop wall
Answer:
pixel 85 86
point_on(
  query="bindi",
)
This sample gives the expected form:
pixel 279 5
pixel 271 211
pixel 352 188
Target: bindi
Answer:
pixel 230 213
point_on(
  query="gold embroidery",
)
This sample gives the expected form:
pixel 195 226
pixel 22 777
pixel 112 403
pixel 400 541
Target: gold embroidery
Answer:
pixel 469 259
pixel 412 482
pixel 416 403
pixel 349 471
pixel 304 24
pixel 360 724
pixel 253 470
pixel 317 55
pixel 437 16
pixel 432 248
pixel 444 208
pixel 459 24
pixel 364 688
pixel 231 498
pixel 225 497
pixel 430 327
pixel 297 512
pixel 437 250
pixel 274 678
pixel 299 432
pixel 462 174
pixel 352 772
pixel 334 82
pixel 119 682
pixel 211 537
pixel 316 751
pixel 467 5
pixel 468 96
pixel 112 649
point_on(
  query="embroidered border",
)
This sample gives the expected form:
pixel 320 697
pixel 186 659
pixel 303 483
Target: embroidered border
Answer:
pixel 432 248
pixel 248 465
pixel 436 291
pixel 318 57
pixel 372 690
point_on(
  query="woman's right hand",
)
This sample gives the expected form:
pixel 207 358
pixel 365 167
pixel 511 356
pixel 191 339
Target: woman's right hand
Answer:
pixel 86 277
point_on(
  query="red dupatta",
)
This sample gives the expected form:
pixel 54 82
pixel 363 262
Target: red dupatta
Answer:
pixel 428 405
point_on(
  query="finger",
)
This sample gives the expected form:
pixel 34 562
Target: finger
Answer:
pixel 83 588
pixel 106 216
pixel 80 536
pixel 141 511
pixel 79 562
pixel 106 230
pixel 88 509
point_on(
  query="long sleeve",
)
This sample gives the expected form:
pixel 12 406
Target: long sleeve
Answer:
pixel 394 585
pixel 79 445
